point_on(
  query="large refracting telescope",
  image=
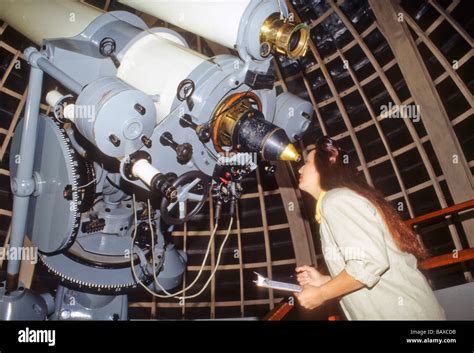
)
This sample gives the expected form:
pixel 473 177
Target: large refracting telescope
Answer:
pixel 142 131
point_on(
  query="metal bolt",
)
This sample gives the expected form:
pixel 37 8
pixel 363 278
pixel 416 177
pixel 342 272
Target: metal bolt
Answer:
pixel 140 108
pixel 146 141
pixel 265 49
pixel 115 140
pixel 167 140
pixel 171 193
pixel 204 132
pixel 187 121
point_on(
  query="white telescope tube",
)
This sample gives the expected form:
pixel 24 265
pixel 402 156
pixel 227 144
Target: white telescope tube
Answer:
pixel 156 66
pixel 255 28
pixel 40 19
pixel 217 20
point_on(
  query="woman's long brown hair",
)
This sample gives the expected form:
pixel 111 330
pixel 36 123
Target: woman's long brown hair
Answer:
pixel 336 170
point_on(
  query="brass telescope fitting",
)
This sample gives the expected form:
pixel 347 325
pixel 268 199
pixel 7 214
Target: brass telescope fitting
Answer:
pixel 283 37
pixel 238 123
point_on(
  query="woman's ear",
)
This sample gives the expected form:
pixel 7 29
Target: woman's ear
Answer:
pixel 332 159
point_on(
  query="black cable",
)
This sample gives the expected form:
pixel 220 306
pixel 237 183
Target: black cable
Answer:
pixel 117 187
pixel 112 183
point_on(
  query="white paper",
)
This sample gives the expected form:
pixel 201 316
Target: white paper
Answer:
pixel 283 286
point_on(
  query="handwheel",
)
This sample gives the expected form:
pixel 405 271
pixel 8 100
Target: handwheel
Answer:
pixel 193 188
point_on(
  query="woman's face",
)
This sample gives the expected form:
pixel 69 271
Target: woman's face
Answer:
pixel 309 176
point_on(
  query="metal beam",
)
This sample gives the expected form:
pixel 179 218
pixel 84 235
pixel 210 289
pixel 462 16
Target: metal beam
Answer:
pixel 436 120
pixel 300 231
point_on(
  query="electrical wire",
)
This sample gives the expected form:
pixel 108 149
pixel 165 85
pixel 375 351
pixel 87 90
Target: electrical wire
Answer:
pixel 98 200
pixel 92 181
pixel 210 277
pixel 215 268
pixel 168 295
pixel 112 183
pixel 175 295
pixel 210 153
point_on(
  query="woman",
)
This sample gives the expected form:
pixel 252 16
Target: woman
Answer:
pixel 368 249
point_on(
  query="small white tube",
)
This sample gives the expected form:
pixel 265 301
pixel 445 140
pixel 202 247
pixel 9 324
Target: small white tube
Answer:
pixel 38 20
pixel 53 97
pixel 143 170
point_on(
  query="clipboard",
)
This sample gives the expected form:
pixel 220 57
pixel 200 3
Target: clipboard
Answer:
pixel 265 282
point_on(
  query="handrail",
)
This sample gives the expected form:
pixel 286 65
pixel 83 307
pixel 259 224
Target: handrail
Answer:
pixel 447 259
pixel 445 211
pixel 450 258
pixel 279 311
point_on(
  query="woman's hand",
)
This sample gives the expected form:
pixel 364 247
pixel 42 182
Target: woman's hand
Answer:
pixel 310 276
pixel 310 297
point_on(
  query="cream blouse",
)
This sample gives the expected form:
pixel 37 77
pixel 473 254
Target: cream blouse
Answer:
pixel 355 238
